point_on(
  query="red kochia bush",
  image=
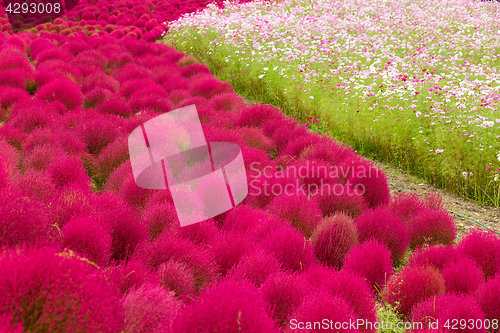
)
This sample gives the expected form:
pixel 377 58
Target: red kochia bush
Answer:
pixel 328 151
pixel 336 198
pixel 67 293
pixel 488 297
pixel 435 255
pixel 167 247
pixel 387 228
pixel 303 213
pixel 406 206
pixel 89 237
pixel 161 217
pixel 373 182
pixel 283 130
pixel 334 238
pixel 64 170
pixel 484 248
pixel 255 266
pixel 178 278
pixel 29 114
pixel 432 227
pixel 227 102
pixel 284 293
pixel 97 133
pixel 411 286
pixel 449 309
pixel 290 247
pixel 318 306
pixel 209 87
pixel 23 220
pixel 116 107
pixel 228 248
pixel 463 277
pixel 197 68
pixel 65 91
pixel 294 147
pixel 149 309
pixel 231 306
pixel 257 114
pixel 372 261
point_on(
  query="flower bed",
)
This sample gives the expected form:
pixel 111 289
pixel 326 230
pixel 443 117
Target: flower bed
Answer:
pixel 84 249
pixel 413 84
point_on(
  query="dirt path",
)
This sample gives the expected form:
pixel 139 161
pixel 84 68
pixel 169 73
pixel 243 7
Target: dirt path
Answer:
pixel 489 216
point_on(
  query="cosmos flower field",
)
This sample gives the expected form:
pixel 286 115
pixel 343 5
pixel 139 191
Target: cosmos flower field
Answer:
pixel 411 83
pixel 318 244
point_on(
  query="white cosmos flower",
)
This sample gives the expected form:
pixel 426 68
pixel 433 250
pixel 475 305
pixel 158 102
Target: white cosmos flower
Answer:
pixel 261 76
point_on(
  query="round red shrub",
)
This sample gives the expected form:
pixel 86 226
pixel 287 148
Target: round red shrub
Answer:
pixel 29 114
pixel 406 206
pixel 64 170
pixel 484 248
pixel 231 306
pixel 197 68
pixel 387 228
pixel 167 247
pixel 373 182
pixel 318 306
pixel 290 247
pixel 149 309
pixel 303 213
pixel 114 106
pixel 334 238
pixel 411 286
pixel 432 227
pixel 48 282
pixel 488 297
pixel 284 293
pixel 65 91
pixel 227 102
pixel 372 261
pixel 132 274
pixel 462 277
pixel 97 133
pixel 443 311
pixel 177 277
pixel 208 87
pixel 88 237
pixel 257 114
pixel 435 255
pixel 336 198
pixel 228 248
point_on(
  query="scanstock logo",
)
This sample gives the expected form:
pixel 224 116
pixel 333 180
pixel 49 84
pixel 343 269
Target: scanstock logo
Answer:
pixel 205 179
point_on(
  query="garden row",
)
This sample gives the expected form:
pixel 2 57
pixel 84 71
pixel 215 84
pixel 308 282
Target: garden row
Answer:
pixel 414 85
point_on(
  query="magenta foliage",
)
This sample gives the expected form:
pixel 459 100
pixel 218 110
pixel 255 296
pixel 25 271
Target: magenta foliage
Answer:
pixel 303 213
pixel 411 286
pixel 167 247
pixel 61 90
pixel 254 160
pixel 488 297
pixel 127 230
pixel 295 146
pixel 451 308
pixel 12 135
pixel 228 248
pixel 116 107
pixel 254 137
pixel 40 137
pixel 131 72
pixel 64 170
pixel 433 200
pixel 463 276
pixel 372 261
pixel 432 227
pixel 131 86
pixel 117 177
pixel 72 200
pixel 88 237
pixel 435 255
pixel 160 217
pixel 110 157
pixel 4 176
pixel 258 114
pixel 255 266
pixel 8 99
pixel 255 223
pixel 13 78
pixel 227 102
pixel 149 309
pixel 10 157
pixel 196 68
pixel 95 97
pixel 406 206
pixel 373 182
pixel 131 274
pixel 387 228
pixel 177 277
pixel 266 185
pixel 334 238
pixel 231 306
pixel 209 86
pixel 318 306
pixel 484 248
pixel 41 157
pixel 178 96
pixel 7 327
pixel 97 133
pixel 67 293
pixel 30 114
pixel 328 151
pixel 284 293
pixel 174 82
pixel 152 98
pixel 202 232
pixel 290 247
pixel 336 198
pixel 23 220
pixel 133 194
